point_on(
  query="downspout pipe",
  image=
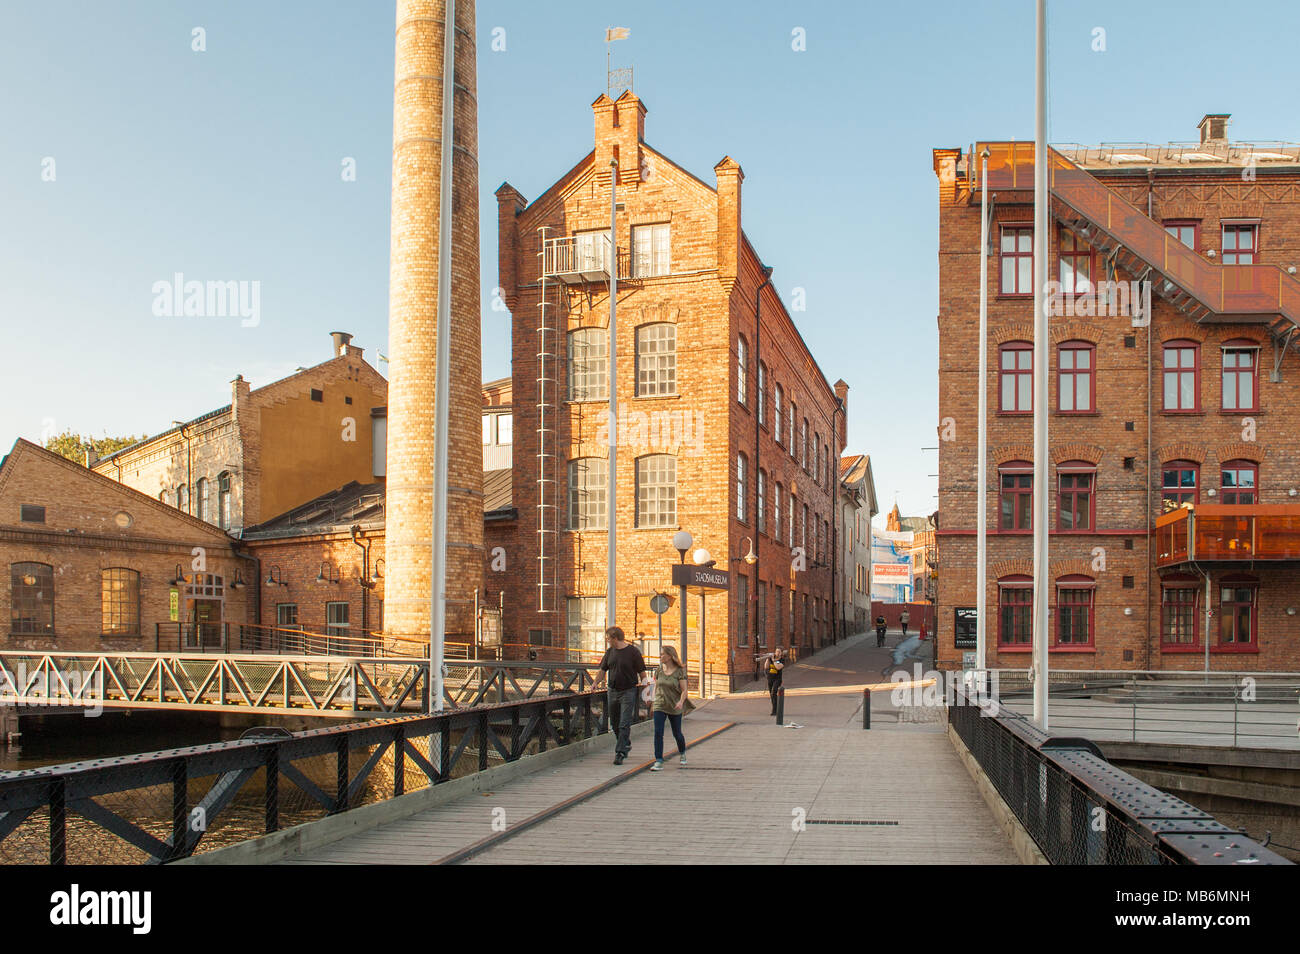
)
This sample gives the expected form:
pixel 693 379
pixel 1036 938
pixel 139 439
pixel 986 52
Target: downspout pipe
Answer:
pixel 758 467
pixel 836 513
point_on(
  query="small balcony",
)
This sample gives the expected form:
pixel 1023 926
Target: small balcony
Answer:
pixel 1228 533
pixel 580 259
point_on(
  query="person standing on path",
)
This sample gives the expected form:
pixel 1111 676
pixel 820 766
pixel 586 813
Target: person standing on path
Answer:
pixel 624 667
pixel 671 702
pixel 775 669
pixel 905 617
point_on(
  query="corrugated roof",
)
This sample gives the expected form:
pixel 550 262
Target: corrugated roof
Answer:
pixel 498 490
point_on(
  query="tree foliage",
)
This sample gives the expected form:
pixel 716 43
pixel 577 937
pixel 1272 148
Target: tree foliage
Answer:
pixel 72 445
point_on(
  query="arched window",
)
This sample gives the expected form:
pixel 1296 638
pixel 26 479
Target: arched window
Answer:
pixel 120 601
pixel 1179 610
pixel 588 489
pixel 762 393
pixel 1179 484
pixel 794 413
pixel 31 599
pixel 656 359
pixel 742 370
pixel 1238 611
pixel 201 498
pixel 223 500
pixel 1076 501
pixel 776 512
pixel 656 491
pixel 1015 610
pixel 183 498
pixel 1182 376
pixel 1240 372
pixel 1015 495
pixel 1016 377
pixel 588 364
pixel 761 507
pixel 1074 378
pixel 1239 482
pixel 1074 610
pixel 162 495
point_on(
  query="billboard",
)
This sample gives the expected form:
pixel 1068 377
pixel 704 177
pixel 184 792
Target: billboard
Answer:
pixel 891 565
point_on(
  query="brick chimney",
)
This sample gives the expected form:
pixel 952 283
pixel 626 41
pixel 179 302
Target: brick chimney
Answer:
pixel 620 130
pixel 842 392
pixel 340 340
pixel 729 177
pixel 1214 127
pixel 509 204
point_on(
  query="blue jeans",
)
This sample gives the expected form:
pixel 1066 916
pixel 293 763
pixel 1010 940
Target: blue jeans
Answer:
pixel 620 707
pixel 675 719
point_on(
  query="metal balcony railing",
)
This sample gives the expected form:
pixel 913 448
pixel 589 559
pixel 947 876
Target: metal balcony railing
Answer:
pixel 576 259
pixel 1242 291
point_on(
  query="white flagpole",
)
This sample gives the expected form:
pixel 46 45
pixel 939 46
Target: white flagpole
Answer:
pixel 1041 634
pixel 611 508
pixel 981 479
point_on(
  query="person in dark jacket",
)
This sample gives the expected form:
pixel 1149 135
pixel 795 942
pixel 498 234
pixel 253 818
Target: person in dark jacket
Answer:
pixel 625 669
pixel 773 664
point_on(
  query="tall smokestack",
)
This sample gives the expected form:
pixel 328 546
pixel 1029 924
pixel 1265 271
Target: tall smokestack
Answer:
pixel 413 327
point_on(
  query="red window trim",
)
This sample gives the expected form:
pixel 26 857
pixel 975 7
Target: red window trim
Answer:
pixel 1017 467
pixel 1180 465
pixel 1013 582
pixel 1236 580
pixel 1090 374
pixel 1077 467
pixel 1017 226
pixel 1075 582
pixel 1089 254
pixel 1196 370
pixel 1239 463
pixel 1240 344
pixel 1248 226
pixel 1016 346
pixel 1182 581
pixel 1196 229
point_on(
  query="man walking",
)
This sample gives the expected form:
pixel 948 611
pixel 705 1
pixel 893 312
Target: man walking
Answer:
pixel 624 667
pixel 905 617
pixel 774 666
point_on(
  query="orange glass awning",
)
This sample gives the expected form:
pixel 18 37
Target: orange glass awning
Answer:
pixel 1234 533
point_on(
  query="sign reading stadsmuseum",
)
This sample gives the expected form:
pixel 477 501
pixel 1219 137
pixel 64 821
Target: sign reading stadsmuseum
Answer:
pixel 687 574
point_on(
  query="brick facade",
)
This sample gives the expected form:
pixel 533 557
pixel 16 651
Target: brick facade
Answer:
pixel 1127 436
pixel 705 289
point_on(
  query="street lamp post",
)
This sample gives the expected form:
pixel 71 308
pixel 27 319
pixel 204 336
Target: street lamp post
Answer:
pixel 682 541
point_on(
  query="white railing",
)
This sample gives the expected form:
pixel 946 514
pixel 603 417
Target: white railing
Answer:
pixel 586 255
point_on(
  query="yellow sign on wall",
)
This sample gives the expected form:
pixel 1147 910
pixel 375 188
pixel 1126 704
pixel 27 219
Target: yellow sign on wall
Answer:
pixel 175 605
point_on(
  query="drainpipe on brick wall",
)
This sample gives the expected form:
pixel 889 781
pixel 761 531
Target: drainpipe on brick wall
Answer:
pixel 1150 536
pixel 355 530
pixel 835 520
pixel 758 466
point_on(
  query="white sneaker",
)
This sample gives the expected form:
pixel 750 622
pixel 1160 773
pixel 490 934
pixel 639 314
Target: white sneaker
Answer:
pixel 682 761
pixel 658 766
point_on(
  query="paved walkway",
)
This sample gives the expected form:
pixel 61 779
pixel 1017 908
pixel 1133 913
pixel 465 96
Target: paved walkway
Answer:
pixel 819 790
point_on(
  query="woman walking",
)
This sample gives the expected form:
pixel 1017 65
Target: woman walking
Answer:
pixel 671 702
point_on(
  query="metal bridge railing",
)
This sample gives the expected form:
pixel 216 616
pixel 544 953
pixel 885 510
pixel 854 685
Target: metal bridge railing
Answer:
pixel 162 806
pixel 1081 810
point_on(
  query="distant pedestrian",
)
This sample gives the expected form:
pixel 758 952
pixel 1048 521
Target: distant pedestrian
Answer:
pixel 624 667
pixel 905 617
pixel 774 665
pixel 880 630
pixel 671 701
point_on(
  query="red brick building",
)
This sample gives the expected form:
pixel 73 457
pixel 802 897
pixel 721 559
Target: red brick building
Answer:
pixel 1174 448
pixel 727 426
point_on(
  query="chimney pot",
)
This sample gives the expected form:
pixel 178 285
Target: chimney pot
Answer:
pixel 341 340
pixel 1214 127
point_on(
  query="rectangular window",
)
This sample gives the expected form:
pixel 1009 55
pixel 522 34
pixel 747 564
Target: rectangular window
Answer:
pixel 1074 378
pixel 505 428
pixel 1016 499
pixel 776 412
pixel 803 529
pixel 1015 606
pixel 1184 231
pixel 1178 485
pixel 31 513
pixel 762 393
pixel 286 616
pixel 651 250
pixel 586 628
pixel 223 501
pixel 31 609
pixel 591 251
pixel 803 444
pixel 656 491
pixel 1074 616
pixel 1240 242
pixel 337 625
pixel 1238 483
pixel 588 488
pixel 1182 377
pixel 1074 502
pixel 776 512
pixel 742 610
pixel 761 506
pixel 1076 264
pixel 487 429
pixel 656 360
pixel 588 366
pixel 742 371
pixel 539 637
pixel 1178 615
pixel 1016 377
pixel 1017 260
pixel 1239 367
pixel 1237 614
pixel 742 488
pixel 120 602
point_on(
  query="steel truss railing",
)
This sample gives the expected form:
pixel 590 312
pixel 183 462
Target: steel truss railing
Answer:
pixel 162 806
pixel 309 685
pixel 1081 810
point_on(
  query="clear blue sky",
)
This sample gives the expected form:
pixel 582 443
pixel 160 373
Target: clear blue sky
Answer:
pixel 226 164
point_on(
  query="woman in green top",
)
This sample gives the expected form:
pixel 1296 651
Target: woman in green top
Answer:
pixel 670 702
